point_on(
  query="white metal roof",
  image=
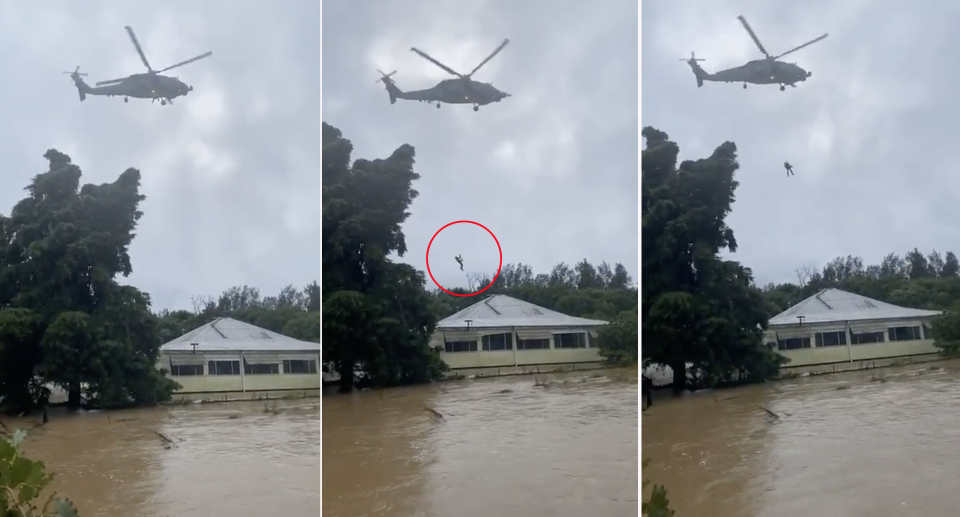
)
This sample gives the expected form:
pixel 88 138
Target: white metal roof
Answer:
pixel 834 305
pixel 501 310
pixel 228 334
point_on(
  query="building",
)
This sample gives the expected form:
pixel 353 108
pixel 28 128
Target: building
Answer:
pixel 238 360
pixel 835 326
pixel 501 331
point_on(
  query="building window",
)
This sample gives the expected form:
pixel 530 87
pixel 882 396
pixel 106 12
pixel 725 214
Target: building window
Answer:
pixel 904 333
pixel 533 344
pixel 186 370
pixel 223 367
pixel 572 340
pixel 299 366
pixel 825 339
pixel 261 368
pixel 794 343
pixel 460 346
pixel 497 341
pixel 865 338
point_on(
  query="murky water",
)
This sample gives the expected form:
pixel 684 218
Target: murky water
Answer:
pixel 504 447
pixel 845 445
pixel 229 459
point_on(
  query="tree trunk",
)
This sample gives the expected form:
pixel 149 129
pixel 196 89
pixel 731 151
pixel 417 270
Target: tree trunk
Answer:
pixel 74 396
pixel 679 377
pixel 346 379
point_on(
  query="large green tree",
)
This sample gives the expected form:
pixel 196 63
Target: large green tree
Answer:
pixel 64 318
pixel 376 312
pixel 697 308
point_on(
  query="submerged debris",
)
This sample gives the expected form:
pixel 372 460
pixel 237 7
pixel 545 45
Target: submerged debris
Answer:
pixel 771 416
pixel 168 441
pixel 434 413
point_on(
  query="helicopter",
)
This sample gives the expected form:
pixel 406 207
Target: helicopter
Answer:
pixel 462 90
pixel 150 85
pixel 760 71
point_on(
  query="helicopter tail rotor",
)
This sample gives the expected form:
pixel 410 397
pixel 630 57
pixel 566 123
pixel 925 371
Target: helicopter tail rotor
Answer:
pixel 82 87
pixel 697 70
pixel 76 72
pixel 391 86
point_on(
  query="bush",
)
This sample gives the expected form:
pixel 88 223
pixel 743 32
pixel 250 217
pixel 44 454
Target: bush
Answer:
pixel 21 482
pixel 657 505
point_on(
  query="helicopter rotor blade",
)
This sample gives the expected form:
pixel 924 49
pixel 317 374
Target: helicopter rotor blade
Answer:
pixel 108 83
pixel 743 21
pixel 426 56
pixel 491 56
pixel 191 60
pixel 807 44
pixel 133 38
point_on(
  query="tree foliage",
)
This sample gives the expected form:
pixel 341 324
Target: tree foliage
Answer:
pixel 64 317
pixel 697 308
pixel 657 505
pixel 22 482
pixel 377 313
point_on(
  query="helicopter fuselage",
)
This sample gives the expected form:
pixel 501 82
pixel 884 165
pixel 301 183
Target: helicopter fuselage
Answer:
pixel 144 86
pixel 457 91
pixel 762 71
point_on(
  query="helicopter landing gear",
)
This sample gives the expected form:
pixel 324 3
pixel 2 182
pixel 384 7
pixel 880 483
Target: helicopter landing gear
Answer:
pixel 163 102
pixel 782 88
pixel 476 108
pixel 438 105
pixel 126 99
pixel 744 86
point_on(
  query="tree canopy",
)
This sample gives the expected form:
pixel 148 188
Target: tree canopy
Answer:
pixel 377 318
pixel 697 308
pixel 64 317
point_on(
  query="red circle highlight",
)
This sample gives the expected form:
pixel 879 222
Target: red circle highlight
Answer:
pixel 499 267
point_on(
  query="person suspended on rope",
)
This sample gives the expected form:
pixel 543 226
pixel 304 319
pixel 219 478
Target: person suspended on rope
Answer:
pixel 459 260
pixel 786 165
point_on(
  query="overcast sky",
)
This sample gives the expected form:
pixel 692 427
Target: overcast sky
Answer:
pixel 551 171
pixel 231 172
pixel 871 135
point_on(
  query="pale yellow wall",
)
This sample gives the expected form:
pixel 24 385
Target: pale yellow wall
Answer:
pixel 855 353
pixel 218 383
pixel 283 382
pixel 805 356
pixel 894 349
pixel 456 360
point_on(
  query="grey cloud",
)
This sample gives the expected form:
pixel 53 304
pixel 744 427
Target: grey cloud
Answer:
pixel 229 171
pixel 551 170
pixel 870 134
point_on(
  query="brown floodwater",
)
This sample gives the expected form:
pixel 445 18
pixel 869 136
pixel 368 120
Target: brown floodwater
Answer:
pixel 868 443
pixel 229 459
pixel 504 447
